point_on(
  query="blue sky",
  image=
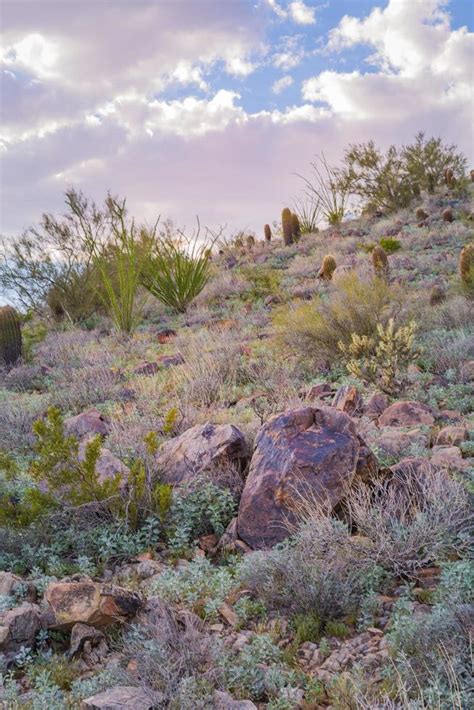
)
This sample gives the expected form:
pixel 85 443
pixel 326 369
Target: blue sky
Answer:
pixel 212 106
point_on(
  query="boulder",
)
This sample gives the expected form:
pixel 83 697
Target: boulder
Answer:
pixel 452 436
pixel 11 584
pixel 18 627
pixel 107 465
pixel 407 414
pixel 122 697
pixel 466 371
pixel 348 399
pixel 303 452
pixel 448 457
pixel 396 442
pixel 321 390
pixel 183 458
pixel 83 635
pixel 225 701
pixel 375 405
pixel 90 603
pixel 88 423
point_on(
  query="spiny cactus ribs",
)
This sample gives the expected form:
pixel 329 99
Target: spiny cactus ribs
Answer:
pixel 287 226
pixel 295 226
pixel 380 262
pixel 447 215
pixel 250 241
pixel 10 336
pixel 466 266
pixel 327 269
pixel 267 232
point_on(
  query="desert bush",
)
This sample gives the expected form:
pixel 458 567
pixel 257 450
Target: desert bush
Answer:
pixel 412 520
pixel 328 189
pixel 427 160
pixel 318 571
pixel 390 245
pixel 17 414
pixel 308 212
pixel 314 330
pixel 264 282
pixel 384 358
pixel 178 269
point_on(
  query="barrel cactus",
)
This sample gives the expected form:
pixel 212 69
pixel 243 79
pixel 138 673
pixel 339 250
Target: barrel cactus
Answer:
pixel 466 268
pixel 267 232
pixel 449 177
pixel 327 269
pixel 437 295
pixel 10 336
pixel 421 214
pixel 287 226
pixel 295 226
pixel 447 215
pixel 380 262
pixel 250 241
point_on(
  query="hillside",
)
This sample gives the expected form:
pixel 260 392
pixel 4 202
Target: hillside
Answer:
pixel 243 505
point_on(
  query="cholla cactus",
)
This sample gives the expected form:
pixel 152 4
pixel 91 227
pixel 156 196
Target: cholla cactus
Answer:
pixel 447 215
pixel 466 268
pixel 384 358
pixel 420 214
pixel 10 336
pixel 295 225
pixel 328 267
pixel 437 295
pixel 267 232
pixel 287 226
pixel 250 241
pixel 380 262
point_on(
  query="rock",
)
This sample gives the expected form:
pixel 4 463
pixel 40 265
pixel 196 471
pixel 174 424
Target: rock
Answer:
pixel 225 701
pixel 107 465
pixel 11 585
pixel 448 457
pixel 229 541
pixel 141 570
pixel 122 697
pixel 228 614
pixel 375 405
pixel 348 399
pixel 146 369
pixel 88 423
pixel 165 334
pixel 406 414
pixel 170 360
pixel 396 442
pixel 81 633
pixel 452 436
pixel 183 458
pixel 305 451
pixel 89 602
pixel 466 371
pixel 321 390
pixel 18 627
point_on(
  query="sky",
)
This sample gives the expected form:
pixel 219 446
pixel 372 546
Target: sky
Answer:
pixel 212 107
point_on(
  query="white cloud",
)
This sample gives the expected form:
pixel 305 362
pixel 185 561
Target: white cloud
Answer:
pixel 302 14
pixel 281 84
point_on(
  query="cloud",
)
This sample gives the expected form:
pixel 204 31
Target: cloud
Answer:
pixel 302 14
pixel 281 84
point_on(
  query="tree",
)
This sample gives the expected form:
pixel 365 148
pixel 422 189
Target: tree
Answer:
pixel 426 161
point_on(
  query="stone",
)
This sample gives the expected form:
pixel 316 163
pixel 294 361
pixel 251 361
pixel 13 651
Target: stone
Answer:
pixel 449 457
pixel 146 369
pixel 122 697
pixel 225 701
pixel 228 614
pixel 320 390
pixel 396 442
pixel 88 423
pixel 182 459
pixel 90 603
pixel 348 399
pixel 407 414
pixel 375 405
pixel 18 627
pixel 452 436
pixel 81 633
pixel 165 334
pixel 107 465
pixel 305 451
pixel 170 360
pixel 466 371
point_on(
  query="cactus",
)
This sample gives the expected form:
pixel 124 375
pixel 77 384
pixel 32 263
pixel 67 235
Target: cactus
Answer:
pixel 420 214
pixel 295 226
pixel 466 268
pixel 380 262
pixel 472 175
pixel 327 269
pixel 267 232
pixel 447 215
pixel 287 226
pixel 448 177
pixel 10 336
pixel 437 295
pixel 250 241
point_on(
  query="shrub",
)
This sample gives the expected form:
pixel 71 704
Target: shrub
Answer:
pixel 390 245
pixel 384 358
pixel 264 282
pixel 412 520
pixel 328 188
pixel 178 270
pixel 427 162
pixel 308 213
pixel 314 330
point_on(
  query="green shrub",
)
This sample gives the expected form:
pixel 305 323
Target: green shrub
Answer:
pixel 314 330
pixel 264 282
pixel 390 245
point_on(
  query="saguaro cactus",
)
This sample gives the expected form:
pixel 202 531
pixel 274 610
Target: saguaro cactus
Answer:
pixel 267 232
pixel 287 226
pixel 10 336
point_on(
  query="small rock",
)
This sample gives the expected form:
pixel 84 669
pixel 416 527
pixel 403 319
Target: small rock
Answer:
pixel 448 457
pixel 406 414
pixel 452 436
pixel 18 627
pixel 90 422
pixel 81 633
pixel 348 399
pixel 466 371
pixel 228 614
pixel 121 698
pixel 225 701
pixel 375 405
pixel 320 390
pixel 170 360
pixel 146 369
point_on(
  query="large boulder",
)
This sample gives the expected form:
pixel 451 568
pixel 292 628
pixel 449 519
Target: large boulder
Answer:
pixel 306 452
pixel 183 458
pixel 18 627
pixel 89 602
pixel 407 414
pixel 87 424
pixel 107 465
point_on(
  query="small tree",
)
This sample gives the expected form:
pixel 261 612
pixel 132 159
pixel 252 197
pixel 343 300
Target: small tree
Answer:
pixel 427 160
